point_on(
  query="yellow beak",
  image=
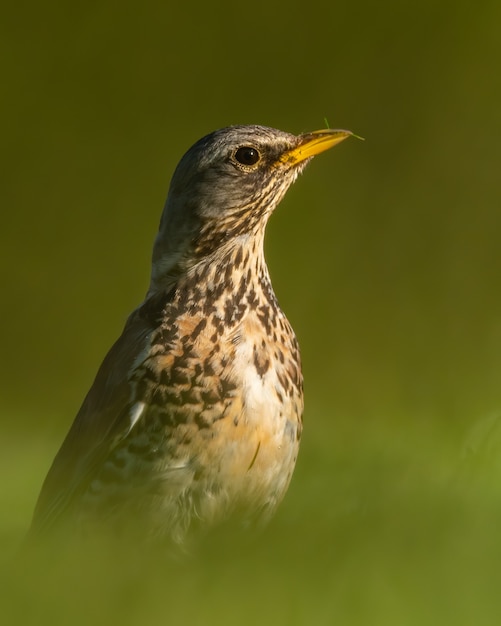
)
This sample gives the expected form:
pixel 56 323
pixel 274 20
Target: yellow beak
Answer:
pixel 314 143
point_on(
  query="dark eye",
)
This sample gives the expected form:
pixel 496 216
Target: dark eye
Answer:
pixel 247 155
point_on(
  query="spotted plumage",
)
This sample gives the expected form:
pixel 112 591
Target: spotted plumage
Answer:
pixel 196 412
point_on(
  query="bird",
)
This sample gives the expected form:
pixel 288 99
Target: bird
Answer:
pixel 195 415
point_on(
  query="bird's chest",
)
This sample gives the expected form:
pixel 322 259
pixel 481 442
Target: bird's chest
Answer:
pixel 264 424
pixel 220 398
pixel 226 401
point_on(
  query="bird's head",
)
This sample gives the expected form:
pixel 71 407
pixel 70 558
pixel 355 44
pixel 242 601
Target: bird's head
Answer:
pixel 225 188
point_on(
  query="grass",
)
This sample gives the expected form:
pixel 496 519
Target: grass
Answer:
pixel 383 524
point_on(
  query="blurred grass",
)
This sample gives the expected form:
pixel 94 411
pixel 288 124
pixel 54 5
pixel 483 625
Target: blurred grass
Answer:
pixel 381 526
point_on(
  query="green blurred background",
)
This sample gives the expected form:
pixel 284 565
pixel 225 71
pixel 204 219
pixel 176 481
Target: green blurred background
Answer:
pixel 385 256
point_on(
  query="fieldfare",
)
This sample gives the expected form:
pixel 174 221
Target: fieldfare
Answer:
pixel 195 415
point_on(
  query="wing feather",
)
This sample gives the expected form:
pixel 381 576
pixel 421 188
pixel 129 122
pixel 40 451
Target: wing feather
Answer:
pixel 107 415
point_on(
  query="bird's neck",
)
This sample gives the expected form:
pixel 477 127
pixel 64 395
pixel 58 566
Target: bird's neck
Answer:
pixel 238 266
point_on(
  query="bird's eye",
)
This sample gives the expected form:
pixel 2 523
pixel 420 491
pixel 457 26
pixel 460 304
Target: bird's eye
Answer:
pixel 247 155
